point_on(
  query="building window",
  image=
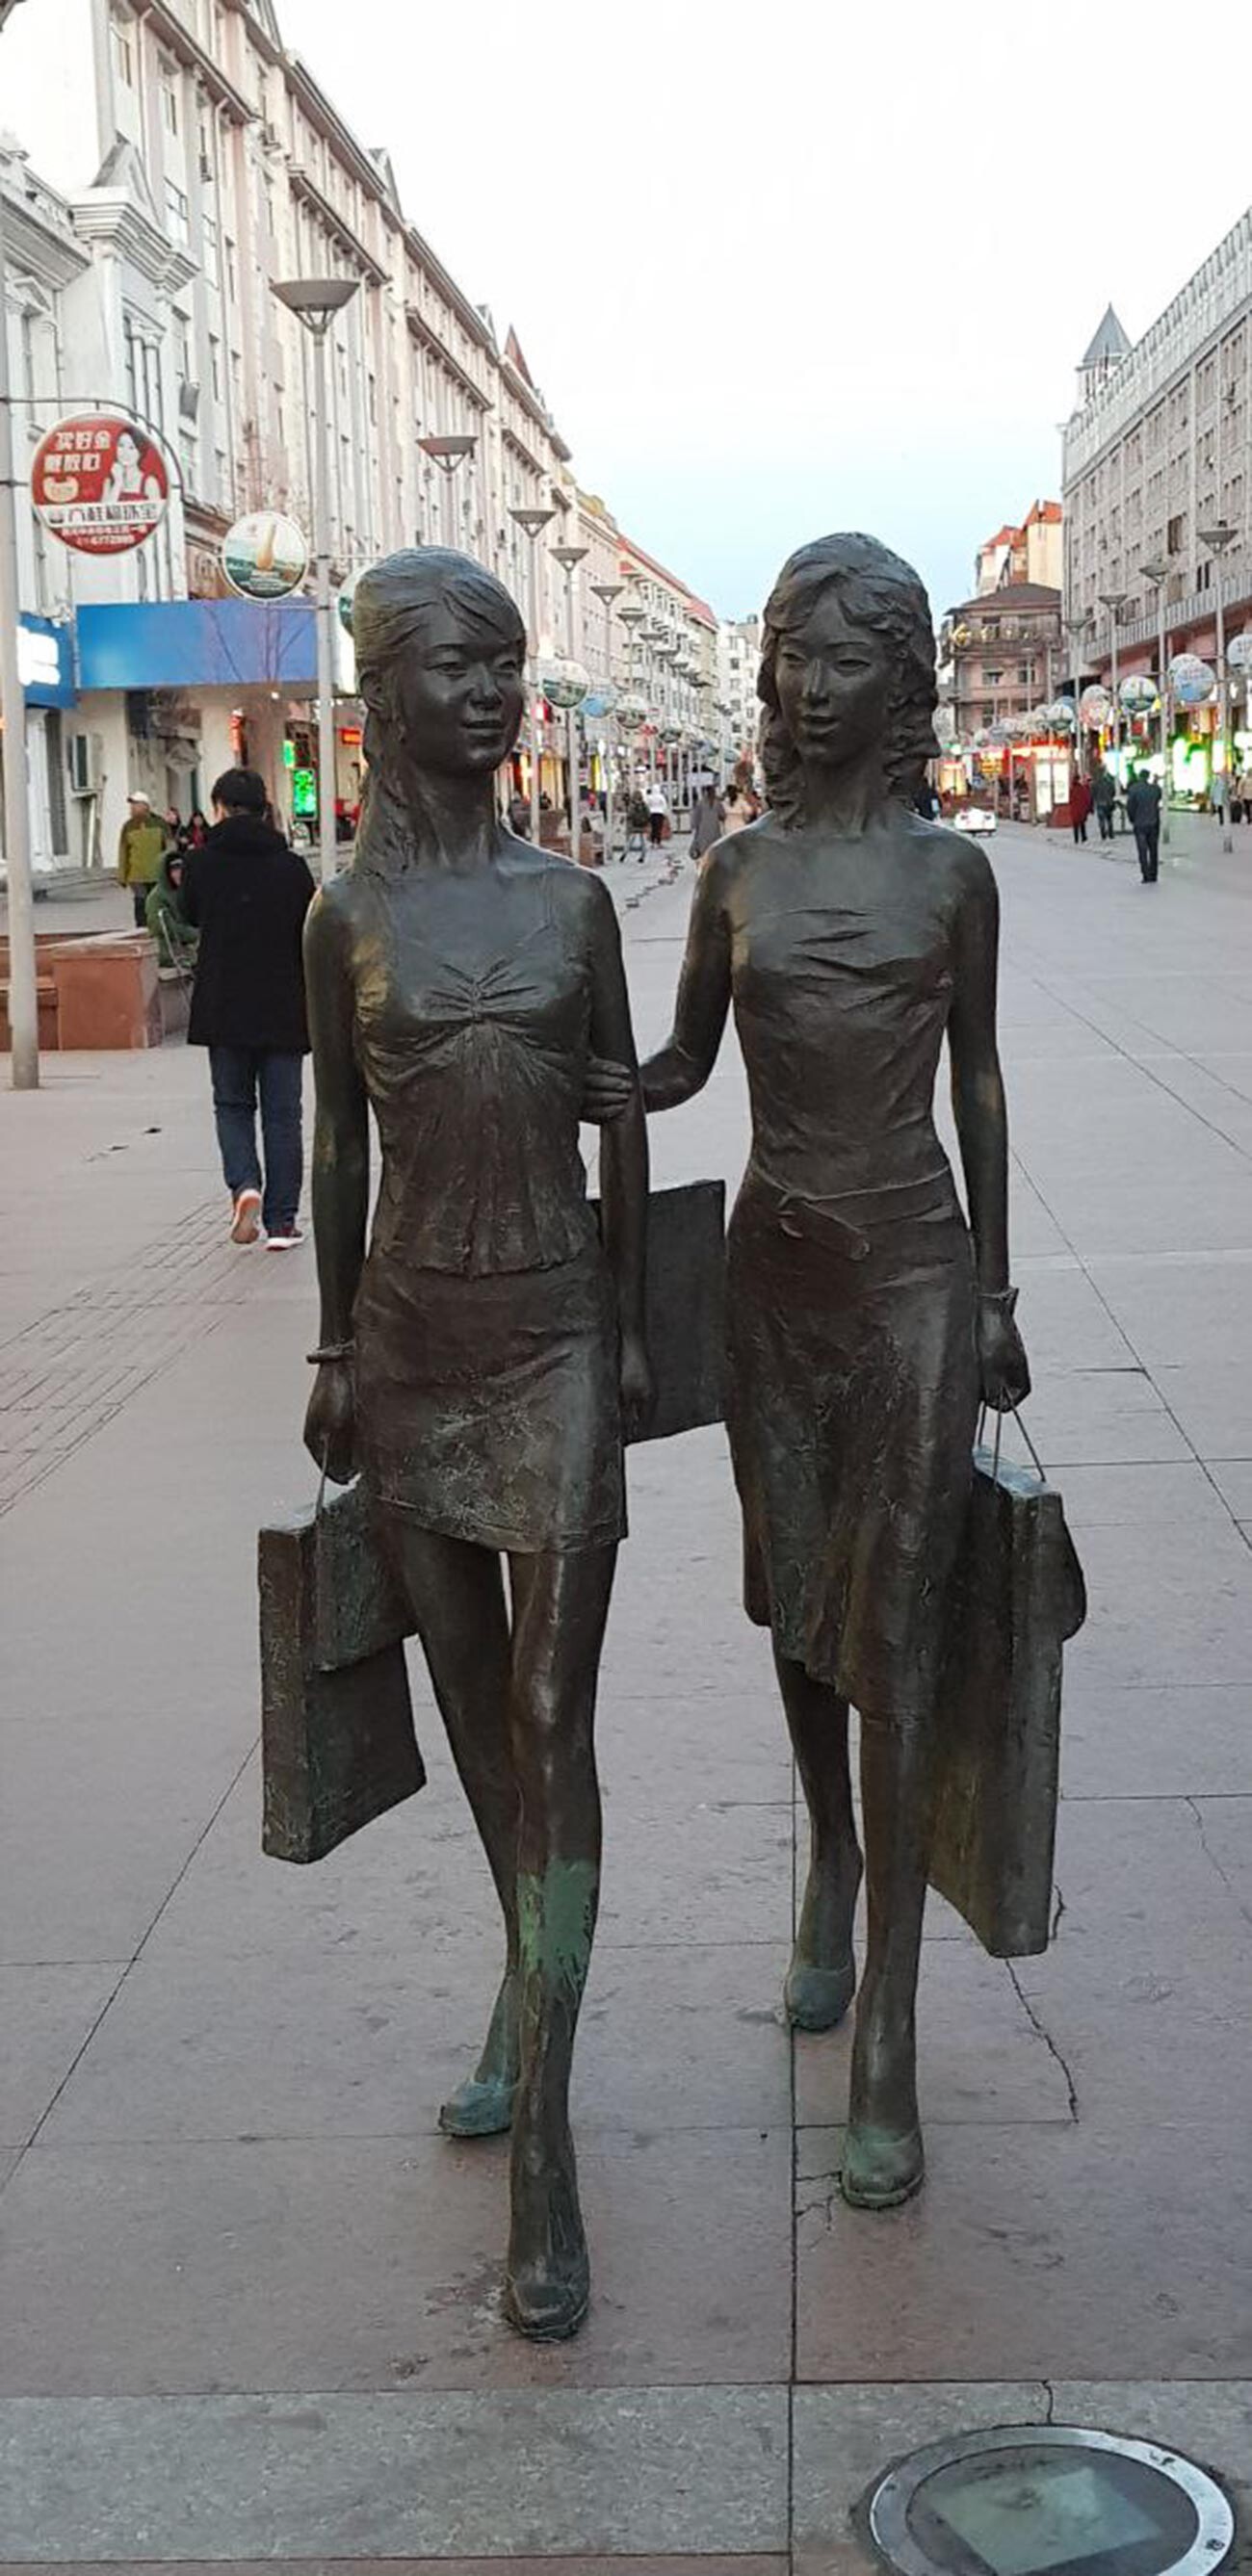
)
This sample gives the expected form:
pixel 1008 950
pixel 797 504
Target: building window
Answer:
pixel 1173 537
pixel 123 56
pixel 230 279
pixel 169 97
pixel 182 346
pixel 178 213
pixel 210 246
pixel 215 367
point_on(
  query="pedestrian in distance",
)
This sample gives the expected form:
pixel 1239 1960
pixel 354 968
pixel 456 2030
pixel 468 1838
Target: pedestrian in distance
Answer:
pixel 1104 798
pixel 175 829
pixel 658 813
pixel 519 815
pixel 1079 808
pixel 706 822
pixel 140 850
pixel 1245 796
pixel 739 809
pixel 247 893
pixel 166 922
pixel 1143 813
pixel 197 830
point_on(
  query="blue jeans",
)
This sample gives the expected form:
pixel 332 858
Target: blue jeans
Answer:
pixel 239 1074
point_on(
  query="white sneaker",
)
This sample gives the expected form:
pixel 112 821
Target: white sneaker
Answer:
pixel 286 1239
pixel 245 1223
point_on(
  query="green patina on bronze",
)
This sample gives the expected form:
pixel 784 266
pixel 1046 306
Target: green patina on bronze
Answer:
pixel 556 1916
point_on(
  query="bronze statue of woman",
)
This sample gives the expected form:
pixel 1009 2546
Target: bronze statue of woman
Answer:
pixel 475 1364
pixel 851 937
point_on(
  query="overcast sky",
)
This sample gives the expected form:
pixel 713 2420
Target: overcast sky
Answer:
pixel 829 263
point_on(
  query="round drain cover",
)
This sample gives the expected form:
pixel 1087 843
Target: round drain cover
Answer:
pixel 1049 2500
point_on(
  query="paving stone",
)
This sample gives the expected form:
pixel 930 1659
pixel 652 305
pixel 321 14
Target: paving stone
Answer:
pixel 545 2471
pixel 46 2015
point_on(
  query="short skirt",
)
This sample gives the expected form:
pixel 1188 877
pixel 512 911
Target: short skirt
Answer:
pixel 852 1406
pixel 489 1407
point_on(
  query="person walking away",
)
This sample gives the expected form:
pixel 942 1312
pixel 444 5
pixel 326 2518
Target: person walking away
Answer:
pixel 738 813
pixel 658 813
pixel 1143 813
pixel 1244 792
pixel 706 822
pixel 247 893
pixel 1104 798
pixel 140 850
pixel 1080 808
pixel 176 941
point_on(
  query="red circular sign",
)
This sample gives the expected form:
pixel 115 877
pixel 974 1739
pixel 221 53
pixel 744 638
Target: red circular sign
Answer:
pixel 100 483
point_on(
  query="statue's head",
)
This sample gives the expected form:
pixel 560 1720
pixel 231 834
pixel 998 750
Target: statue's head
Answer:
pixel 847 667
pixel 441 660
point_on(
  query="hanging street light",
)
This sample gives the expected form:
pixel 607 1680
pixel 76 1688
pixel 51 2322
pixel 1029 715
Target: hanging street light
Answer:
pixel 315 301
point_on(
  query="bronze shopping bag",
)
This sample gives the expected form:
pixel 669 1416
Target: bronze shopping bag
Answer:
pixel 337 1740
pixel 1019 1594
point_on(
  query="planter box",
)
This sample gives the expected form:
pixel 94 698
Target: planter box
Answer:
pixel 96 990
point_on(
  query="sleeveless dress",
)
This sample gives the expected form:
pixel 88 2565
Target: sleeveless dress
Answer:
pixel 853 1382
pixel 486 1320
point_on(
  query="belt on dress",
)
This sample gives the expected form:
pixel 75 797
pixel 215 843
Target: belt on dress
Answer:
pixel 839 1222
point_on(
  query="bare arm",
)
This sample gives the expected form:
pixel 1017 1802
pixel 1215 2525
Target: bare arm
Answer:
pixel 982 1127
pixel 340 1177
pixel 682 1066
pixel 623 1148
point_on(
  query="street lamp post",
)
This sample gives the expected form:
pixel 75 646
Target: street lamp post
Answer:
pixel 607 592
pixel 23 975
pixel 532 524
pixel 1157 572
pixel 1217 539
pixel 569 558
pixel 315 301
pixel 1114 601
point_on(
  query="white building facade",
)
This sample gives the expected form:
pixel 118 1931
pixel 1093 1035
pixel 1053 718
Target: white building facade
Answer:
pixel 188 161
pixel 1157 459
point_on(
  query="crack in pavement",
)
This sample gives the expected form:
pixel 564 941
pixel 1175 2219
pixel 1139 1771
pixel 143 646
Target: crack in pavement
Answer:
pixel 1042 2032
pixel 1211 1856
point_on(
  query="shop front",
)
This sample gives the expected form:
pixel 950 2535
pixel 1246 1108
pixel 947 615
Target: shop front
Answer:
pixel 46 669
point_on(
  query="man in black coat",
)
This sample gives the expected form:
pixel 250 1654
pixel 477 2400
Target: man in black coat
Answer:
pixel 1143 813
pixel 247 893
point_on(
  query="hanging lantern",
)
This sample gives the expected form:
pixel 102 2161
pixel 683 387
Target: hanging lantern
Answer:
pixel 1060 715
pixel 1095 706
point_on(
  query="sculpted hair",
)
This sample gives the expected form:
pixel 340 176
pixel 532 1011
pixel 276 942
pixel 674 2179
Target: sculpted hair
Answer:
pixel 877 590
pixel 392 606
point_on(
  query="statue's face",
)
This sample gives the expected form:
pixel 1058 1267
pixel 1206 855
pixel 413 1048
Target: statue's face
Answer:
pixel 461 693
pixel 833 680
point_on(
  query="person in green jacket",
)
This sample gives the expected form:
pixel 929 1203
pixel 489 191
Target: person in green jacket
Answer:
pixel 164 917
pixel 140 850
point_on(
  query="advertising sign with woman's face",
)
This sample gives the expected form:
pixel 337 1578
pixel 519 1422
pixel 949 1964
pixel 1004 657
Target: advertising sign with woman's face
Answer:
pixel 100 484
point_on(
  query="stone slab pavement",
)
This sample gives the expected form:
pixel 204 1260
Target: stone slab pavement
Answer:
pixel 250 2297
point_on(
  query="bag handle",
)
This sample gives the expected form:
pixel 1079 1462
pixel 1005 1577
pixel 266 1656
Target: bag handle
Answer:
pixel 1019 1419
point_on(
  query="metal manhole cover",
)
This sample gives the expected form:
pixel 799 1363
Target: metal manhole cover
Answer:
pixel 1049 2500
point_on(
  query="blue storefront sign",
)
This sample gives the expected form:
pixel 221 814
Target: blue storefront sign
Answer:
pixel 198 643
pixel 45 662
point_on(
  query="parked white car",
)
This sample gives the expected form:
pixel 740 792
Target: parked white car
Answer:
pixel 975 818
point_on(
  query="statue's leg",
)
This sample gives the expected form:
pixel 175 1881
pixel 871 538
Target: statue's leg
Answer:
pixel 821 1980
pixel 456 1594
pixel 883 2158
pixel 560 1604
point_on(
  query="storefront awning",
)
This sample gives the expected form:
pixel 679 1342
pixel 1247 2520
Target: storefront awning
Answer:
pixel 198 643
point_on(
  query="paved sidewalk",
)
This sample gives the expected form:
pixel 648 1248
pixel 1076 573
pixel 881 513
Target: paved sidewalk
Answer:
pixel 249 2295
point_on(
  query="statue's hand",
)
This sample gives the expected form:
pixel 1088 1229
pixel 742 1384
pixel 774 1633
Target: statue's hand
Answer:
pixel 635 1381
pixel 330 1423
pixel 608 1090
pixel 1003 1367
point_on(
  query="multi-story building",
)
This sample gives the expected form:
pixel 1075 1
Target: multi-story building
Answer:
pixel 1158 463
pixel 1000 656
pixel 188 162
pixel 738 662
pixel 1031 552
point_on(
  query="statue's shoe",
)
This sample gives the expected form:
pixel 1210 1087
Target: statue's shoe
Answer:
pixel 818 1998
pixel 478 2109
pixel 545 2306
pixel 881 2167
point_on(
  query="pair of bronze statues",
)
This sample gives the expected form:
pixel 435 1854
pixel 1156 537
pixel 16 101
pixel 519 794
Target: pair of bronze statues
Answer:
pixel 479 1362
